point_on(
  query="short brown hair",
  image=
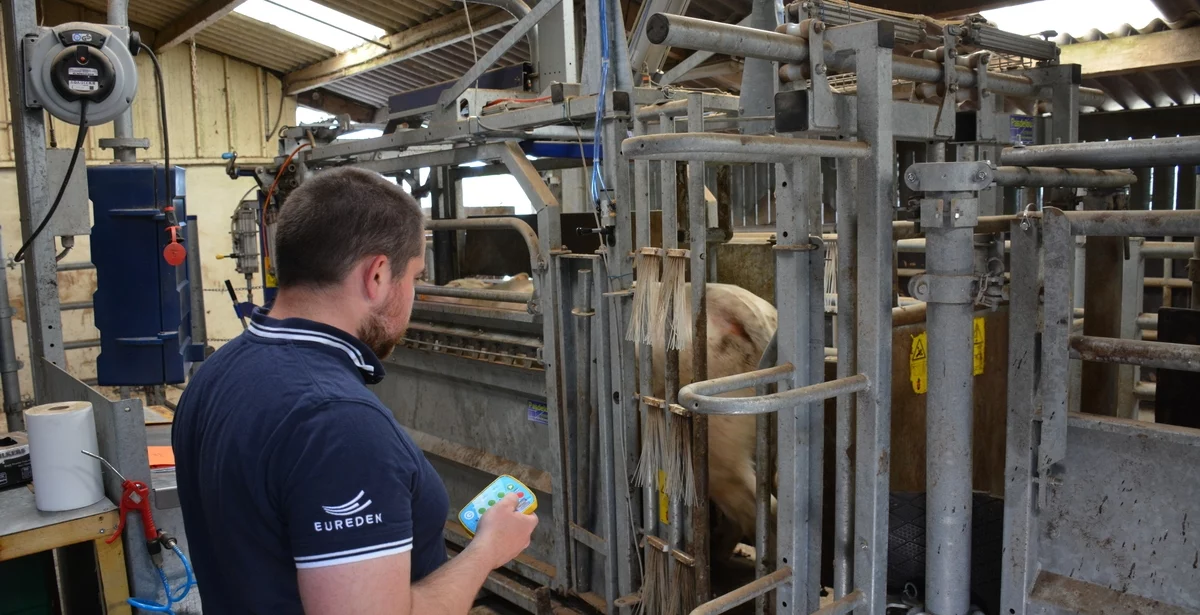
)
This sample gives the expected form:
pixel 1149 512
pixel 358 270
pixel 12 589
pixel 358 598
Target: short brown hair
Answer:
pixel 340 216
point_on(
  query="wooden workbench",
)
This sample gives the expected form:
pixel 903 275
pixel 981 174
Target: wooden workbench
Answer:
pixel 24 530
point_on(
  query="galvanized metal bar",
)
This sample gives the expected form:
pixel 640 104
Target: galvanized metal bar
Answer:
pixel 1167 249
pixel 587 422
pixel 1169 151
pixel 482 294
pixel 843 605
pixel 28 130
pixel 877 187
pixel 949 408
pixel 9 366
pixel 764 471
pixel 1132 299
pixel 730 39
pixel 518 31
pixel 617 561
pixel 697 243
pixel 744 594
pixel 1057 317
pixel 1061 178
pixel 847 315
pixel 1183 223
pixel 1020 522
pixel 537 259
pixel 719 147
pixel 547 288
pixel 696 399
pixel 1160 355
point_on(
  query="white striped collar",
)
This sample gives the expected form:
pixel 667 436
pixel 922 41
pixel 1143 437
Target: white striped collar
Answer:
pixel 301 330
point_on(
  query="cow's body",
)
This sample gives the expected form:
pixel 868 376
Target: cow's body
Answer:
pixel 740 326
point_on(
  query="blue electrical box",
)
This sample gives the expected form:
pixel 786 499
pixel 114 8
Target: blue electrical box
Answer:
pixel 142 304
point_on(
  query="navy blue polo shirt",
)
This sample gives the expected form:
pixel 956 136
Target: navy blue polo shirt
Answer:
pixel 286 460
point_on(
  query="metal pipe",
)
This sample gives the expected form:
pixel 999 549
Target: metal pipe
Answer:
pixel 483 294
pixel 763 475
pixel 76 266
pixel 1135 223
pixel 951 255
pixel 745 593
pixel 1061 178
pixel 118 15
pixel 694 396
pixel 1167 249
pixel 843 605
pixel 741 41
pixel 518 9
pixel 476 334
pixel 698 231
pixel 587 428
pixel 1147 321
pixel 536 260
pixel 717 147
pixel 1145 390
pixel 1162 355
pixel 1171 151
pixel 9 366
pixel 847 315
pixel 80 344
pixel 1167 283
pixel 75 305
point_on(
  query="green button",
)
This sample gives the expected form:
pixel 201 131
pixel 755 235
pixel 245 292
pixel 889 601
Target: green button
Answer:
pixel 499 496
pixel 491 502
pixel 481 511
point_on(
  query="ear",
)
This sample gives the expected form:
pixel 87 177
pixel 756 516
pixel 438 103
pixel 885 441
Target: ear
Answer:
pixel 376 277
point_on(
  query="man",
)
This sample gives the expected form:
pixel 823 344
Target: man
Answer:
pixel 300 491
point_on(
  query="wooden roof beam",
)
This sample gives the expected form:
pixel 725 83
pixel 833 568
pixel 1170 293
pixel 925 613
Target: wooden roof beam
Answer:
pixel 1130 54
pixel 198 18
pixel 404 45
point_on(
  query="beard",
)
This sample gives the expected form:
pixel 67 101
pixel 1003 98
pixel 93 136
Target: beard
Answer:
pixel 375 333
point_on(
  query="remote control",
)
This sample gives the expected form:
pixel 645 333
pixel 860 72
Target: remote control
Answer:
pixel 493 493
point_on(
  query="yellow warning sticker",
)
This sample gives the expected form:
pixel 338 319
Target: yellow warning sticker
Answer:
pixel 980 338
pixel 269 273
pixel 918 364
pixel 662 498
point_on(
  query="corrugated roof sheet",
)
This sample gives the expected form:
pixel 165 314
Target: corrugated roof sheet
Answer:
pixel 374 87
pixel 394 16
pixel 259 43
pixel 1147 89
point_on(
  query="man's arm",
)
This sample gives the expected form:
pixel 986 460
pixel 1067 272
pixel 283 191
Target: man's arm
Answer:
pixel 381 586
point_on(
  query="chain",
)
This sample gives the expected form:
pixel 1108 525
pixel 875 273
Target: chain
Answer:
pixel 222 289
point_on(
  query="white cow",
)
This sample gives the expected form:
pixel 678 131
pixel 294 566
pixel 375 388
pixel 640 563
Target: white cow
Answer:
pixel 740 326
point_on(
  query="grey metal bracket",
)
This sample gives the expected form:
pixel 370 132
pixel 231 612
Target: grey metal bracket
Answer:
pixel 951 210
pixel 949 176
pixel 947 114
pixel 945 289
pixel 822 111
pixel 120 143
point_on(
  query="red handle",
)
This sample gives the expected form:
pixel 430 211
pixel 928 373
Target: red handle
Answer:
pixel 136 497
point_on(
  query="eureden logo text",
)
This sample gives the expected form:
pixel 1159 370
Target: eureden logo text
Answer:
pixel 350 515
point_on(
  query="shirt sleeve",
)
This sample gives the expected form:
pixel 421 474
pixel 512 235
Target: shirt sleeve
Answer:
pixel 346 483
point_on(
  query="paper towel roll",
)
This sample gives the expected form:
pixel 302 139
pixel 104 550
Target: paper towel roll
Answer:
pixel 63 477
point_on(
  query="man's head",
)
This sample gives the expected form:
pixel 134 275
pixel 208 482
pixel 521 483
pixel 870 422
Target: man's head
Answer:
pixel 354 236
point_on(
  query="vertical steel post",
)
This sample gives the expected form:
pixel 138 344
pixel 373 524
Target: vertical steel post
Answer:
pixel 618 562
pixel 950 259
pixel 118 15
pixel 196 288
pixel 847 310
pixel 698 230
pixel 793 288
pixel 877 191
pixel 9 366
pixel 1020 513
pixel 42 313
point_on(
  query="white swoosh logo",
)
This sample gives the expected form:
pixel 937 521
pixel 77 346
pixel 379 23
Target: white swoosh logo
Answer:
pixel 349 508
